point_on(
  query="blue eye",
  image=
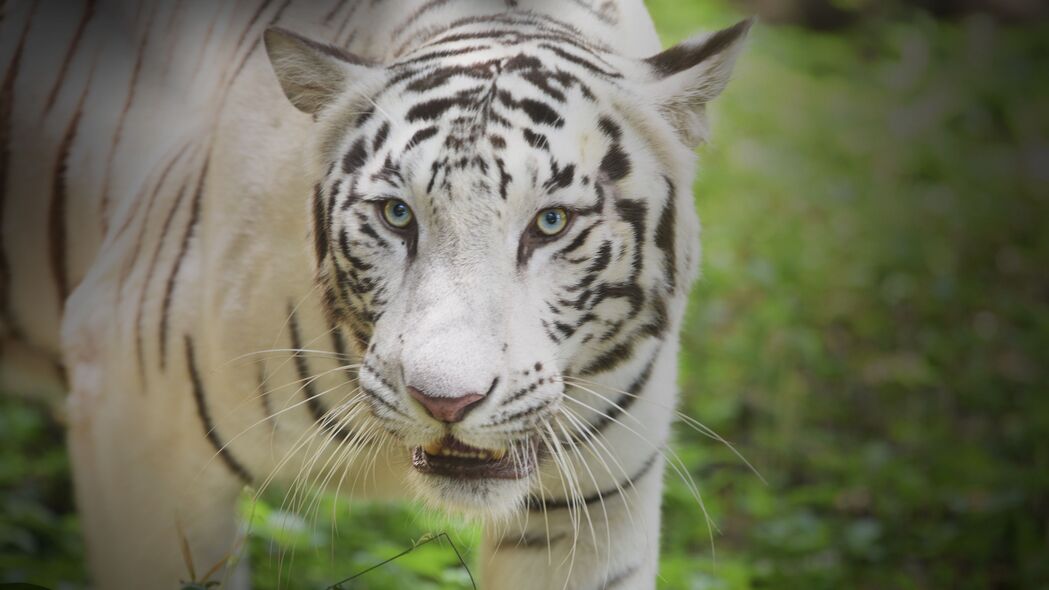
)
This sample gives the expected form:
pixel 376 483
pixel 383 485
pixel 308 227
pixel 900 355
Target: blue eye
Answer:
pixel 551 222
pixel 397 213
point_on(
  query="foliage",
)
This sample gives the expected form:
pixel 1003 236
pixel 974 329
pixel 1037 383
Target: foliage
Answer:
pixel 870 331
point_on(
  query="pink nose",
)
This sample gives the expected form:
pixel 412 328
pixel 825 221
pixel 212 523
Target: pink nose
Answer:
pixel 446 409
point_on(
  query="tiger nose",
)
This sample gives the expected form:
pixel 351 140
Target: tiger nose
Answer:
pixel 446 409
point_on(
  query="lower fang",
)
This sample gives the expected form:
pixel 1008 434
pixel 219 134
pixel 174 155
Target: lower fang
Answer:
pixel 433 448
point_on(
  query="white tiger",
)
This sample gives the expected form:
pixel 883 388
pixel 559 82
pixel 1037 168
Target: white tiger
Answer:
pixel 449 261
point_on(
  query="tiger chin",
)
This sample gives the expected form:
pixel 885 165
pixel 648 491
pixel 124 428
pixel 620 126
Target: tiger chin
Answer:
pixel 408 250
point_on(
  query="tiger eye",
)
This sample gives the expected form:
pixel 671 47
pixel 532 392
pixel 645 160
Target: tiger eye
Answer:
pixel 552 221
pixel 397 213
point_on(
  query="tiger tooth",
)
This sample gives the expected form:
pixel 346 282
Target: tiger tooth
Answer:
pixel 433 448
pixel 497 455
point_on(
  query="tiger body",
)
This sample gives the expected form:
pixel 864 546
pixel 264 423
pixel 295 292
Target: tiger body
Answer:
pixel 208 271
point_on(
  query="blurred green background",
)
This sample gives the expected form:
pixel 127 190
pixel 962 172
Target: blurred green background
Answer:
pixel 870 330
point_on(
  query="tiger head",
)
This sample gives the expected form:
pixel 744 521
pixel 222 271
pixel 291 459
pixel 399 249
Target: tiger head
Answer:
pixel 496 213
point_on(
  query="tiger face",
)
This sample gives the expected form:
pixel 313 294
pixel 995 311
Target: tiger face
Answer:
pixel 500 210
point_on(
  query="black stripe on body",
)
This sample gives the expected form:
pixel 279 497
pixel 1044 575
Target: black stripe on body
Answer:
pixel 334 427
pixel 200 397
pixel 149 209
pixel 416 15
pixel 258 40
pixel 526 541
pixel 56 216
pixel 89 12
pixel 151 270
pixel 538 504
pixel 119 133
pixel 262 390
pixel 7 103
pixel 620 577
pixel 334 10
pixel 169 289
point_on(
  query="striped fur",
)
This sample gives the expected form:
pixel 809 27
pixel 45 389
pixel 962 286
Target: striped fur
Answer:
pixel 193 246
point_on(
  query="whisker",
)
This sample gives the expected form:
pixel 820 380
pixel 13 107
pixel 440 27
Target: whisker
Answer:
pixel 264 420
pixel 677 464
pixel 689 420
pixel 592 435
pixel 604 509
pixel 292 351
pixel 575 504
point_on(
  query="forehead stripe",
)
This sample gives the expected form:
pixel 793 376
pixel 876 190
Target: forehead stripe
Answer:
pixel 434 108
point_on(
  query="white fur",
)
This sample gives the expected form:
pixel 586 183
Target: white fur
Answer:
pixel 142 465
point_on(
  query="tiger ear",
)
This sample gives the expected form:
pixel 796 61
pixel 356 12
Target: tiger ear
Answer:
pixel 312 74
pixel 689 75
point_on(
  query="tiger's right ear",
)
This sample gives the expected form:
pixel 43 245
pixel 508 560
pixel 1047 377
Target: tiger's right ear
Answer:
pixel 313 75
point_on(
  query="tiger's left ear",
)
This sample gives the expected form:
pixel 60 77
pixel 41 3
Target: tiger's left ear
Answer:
pixel 689 75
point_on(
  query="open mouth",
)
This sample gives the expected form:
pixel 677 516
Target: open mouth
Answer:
pixel 451 457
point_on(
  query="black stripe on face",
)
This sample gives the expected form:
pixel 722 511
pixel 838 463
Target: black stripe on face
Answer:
pixel 579 240
pixel 624 402
pixel 320 224
pixel 421 136
pixel 610 359
pixel 538 504
pixel 585 63
pixel 432 109
pixel 536 140
pixel 355 158
pixel 541 80
pixel 334 427
pixel 665 240
pixel 380 136
pixel 210 432
pixel 441 76
pixel 634 211
pixel 540 113
pixel 433 55
pixel 560 177
pixel 615 165
pixel 504 178
pixel 366 229
pixel 610 128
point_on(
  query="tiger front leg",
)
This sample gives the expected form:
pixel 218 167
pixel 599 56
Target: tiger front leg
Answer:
pixel 150 491
pixel 607 538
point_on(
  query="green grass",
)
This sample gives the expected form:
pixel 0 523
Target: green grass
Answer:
pixel 870 330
